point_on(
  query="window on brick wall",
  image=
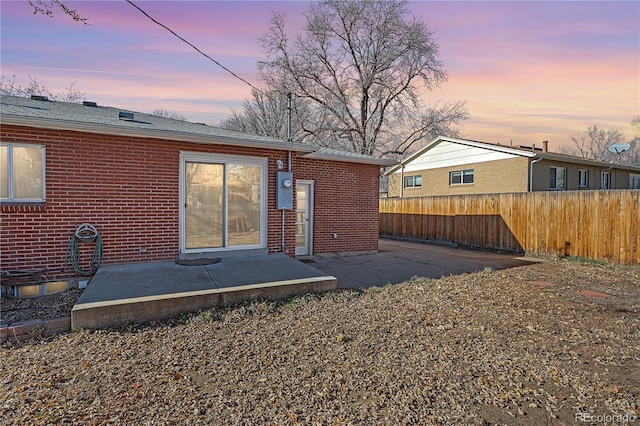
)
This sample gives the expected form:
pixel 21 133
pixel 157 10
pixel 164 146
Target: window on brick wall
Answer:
pixel 22 172
pixel 413 181
pixel 583 178
pixel 460 177
pixel 558 178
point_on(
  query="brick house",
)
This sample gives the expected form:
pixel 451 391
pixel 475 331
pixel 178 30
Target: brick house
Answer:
pixel 449 166
pixel 162 189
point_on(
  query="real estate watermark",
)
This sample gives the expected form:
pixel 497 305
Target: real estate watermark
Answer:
pixel 606 418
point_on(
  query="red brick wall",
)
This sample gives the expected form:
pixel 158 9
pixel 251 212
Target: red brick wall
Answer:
pixel 128 189
pixel 345 203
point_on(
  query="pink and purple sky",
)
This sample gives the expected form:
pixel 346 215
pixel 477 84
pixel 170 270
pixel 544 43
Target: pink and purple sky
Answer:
pixel 529 71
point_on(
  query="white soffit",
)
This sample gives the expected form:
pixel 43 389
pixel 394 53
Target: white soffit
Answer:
pixel 448 154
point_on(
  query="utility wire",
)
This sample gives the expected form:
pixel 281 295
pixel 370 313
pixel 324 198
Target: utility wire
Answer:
pixel 194 47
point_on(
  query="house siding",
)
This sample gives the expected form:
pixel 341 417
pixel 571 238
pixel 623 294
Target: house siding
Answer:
pixel 619 178
pixel 507 175
pixel 128 188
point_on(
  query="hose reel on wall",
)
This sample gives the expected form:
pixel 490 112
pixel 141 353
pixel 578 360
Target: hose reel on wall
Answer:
pixel 85 234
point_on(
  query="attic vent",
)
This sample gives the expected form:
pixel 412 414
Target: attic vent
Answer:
pixel 125 115
pixel 39 98
pixel 89 104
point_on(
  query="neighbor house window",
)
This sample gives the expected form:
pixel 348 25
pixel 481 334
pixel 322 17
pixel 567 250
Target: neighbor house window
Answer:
pixel 583 178
pixel 413 181
pixel 460 177
pixel 22 172
pixel 634 181
pixel 605 180
pixel 558 178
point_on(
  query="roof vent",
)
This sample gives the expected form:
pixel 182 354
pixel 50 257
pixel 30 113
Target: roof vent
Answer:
pixel 530 148
pixel 89 103
pixel 39 98
pixel 125 115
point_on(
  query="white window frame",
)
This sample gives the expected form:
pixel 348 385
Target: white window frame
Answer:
pixel 10 178
pixel 462 174
pixel 583 178
pixel 198 157
pixel 563 181
pixel 605 180
pixel 413 179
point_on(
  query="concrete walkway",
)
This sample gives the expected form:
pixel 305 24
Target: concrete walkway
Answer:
pixel 398 261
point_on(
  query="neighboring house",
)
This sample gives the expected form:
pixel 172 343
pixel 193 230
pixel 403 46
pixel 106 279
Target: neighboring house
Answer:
pixel 162 189
pixel 449 166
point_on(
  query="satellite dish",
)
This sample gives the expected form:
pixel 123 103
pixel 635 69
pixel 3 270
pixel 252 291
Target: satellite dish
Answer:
pixel 619 147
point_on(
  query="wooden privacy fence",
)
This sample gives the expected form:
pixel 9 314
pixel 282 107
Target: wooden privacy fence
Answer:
pixel 601 224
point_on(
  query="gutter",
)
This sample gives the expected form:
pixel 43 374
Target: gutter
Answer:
pixel 317 154
pixel 173 135
pixel 119 129
pixel 531 172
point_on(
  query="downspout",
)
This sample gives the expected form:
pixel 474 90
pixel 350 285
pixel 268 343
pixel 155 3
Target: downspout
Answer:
pixel 531 173
pixel 402 182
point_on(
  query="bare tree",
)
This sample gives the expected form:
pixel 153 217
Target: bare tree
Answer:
pixel 635 125
pixel 361 68
pixel 161 112
pixel 594 144
pixel 267 114
pixel 8 86
pixel 264 114
pixel 46 8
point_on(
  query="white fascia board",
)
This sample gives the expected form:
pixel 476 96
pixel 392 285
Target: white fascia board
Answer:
pixel 106 129
pixel 588 162
pixel 352 159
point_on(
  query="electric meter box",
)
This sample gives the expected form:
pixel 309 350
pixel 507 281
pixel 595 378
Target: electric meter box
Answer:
pixel 284 199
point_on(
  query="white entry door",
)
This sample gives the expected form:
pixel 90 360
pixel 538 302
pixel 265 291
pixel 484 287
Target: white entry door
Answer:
pixel 304 218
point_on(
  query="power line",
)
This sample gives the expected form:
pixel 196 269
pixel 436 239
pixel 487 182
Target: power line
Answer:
pixel 194 47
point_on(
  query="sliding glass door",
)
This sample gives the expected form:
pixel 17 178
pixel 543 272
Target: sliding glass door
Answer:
pixel 223 202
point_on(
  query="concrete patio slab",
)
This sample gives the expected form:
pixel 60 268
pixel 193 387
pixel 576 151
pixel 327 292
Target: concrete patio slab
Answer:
pixel 117 282
pixel 142 292
pixel 147 291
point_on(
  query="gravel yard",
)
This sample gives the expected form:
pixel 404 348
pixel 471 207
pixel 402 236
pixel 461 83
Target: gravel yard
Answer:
pixel 540 344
